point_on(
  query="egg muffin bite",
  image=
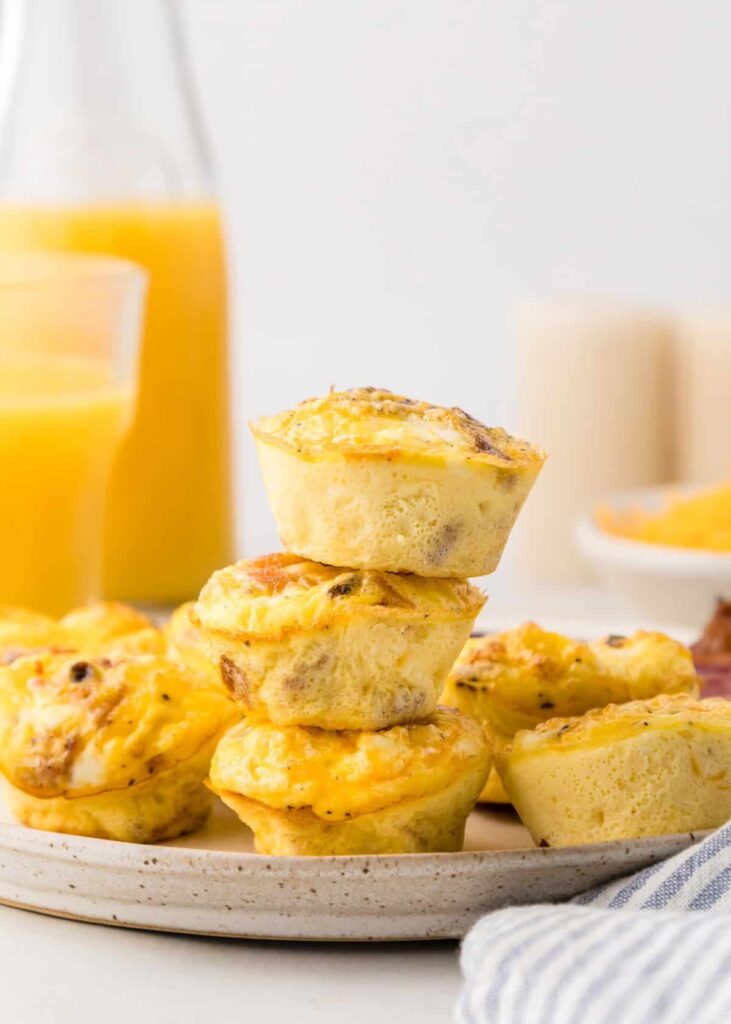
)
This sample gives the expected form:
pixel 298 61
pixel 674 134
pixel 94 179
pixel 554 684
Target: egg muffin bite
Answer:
pixel 100 628
pixel 522 677
pixel 646 768
pixel 111 747
pixel 302 643
pixel 110 627
pixel 370 479
pixel 22 630
pixel 311 792
pixel 187 644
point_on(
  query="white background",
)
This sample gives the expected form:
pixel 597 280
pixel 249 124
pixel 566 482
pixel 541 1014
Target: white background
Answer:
pixel 398 173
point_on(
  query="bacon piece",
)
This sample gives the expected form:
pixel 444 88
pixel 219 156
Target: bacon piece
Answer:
pixel 712 653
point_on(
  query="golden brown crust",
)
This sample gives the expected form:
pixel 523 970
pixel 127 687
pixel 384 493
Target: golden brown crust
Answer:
pixel 160 807
pixel 276 595
pixel 373 422
pixel 515 679
pixel 616 721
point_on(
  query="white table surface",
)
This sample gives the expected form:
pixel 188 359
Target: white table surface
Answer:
pixel 53 971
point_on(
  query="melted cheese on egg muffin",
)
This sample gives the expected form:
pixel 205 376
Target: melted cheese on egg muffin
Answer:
pixel 516 679
pixel 644 768
pixel 373 421
pixel 275 594
pixel 73 727
pixel 521 677
pixel 338 775
pixel 617 722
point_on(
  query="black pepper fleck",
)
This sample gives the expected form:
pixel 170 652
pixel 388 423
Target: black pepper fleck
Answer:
pixel 80 671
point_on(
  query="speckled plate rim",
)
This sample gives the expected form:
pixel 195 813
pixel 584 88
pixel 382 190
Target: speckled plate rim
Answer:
pixel 247 895
pixel 105 852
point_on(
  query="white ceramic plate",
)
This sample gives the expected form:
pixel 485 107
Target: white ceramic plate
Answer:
pixel 212 883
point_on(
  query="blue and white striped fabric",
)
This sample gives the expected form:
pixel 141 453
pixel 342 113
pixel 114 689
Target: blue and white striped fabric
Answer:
pixel 636 951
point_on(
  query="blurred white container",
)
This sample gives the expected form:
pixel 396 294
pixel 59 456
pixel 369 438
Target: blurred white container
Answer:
pixel 593 385
pixel 703 373
pixel 659 583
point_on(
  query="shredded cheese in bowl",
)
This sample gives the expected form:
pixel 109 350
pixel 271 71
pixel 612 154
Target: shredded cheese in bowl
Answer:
pixel 700 521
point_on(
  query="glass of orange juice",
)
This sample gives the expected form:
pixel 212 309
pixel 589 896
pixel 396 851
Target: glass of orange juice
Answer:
pixel 69 332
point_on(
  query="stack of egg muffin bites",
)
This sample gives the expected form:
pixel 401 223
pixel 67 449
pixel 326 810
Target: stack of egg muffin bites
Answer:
pixel 330 694
pixel 337 650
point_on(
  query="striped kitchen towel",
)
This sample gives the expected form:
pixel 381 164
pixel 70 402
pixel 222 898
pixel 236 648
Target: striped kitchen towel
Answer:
pixel 652 948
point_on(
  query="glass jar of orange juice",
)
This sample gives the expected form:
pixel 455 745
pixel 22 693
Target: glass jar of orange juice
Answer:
pixel 101 152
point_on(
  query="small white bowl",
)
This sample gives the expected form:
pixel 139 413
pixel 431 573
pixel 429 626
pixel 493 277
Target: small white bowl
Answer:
pixel 677 585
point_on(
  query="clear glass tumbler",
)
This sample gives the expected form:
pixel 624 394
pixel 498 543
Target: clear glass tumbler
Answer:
pixel 69 332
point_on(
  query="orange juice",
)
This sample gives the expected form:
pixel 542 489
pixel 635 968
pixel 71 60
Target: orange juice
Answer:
pixel 60 421
pixel 169 522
